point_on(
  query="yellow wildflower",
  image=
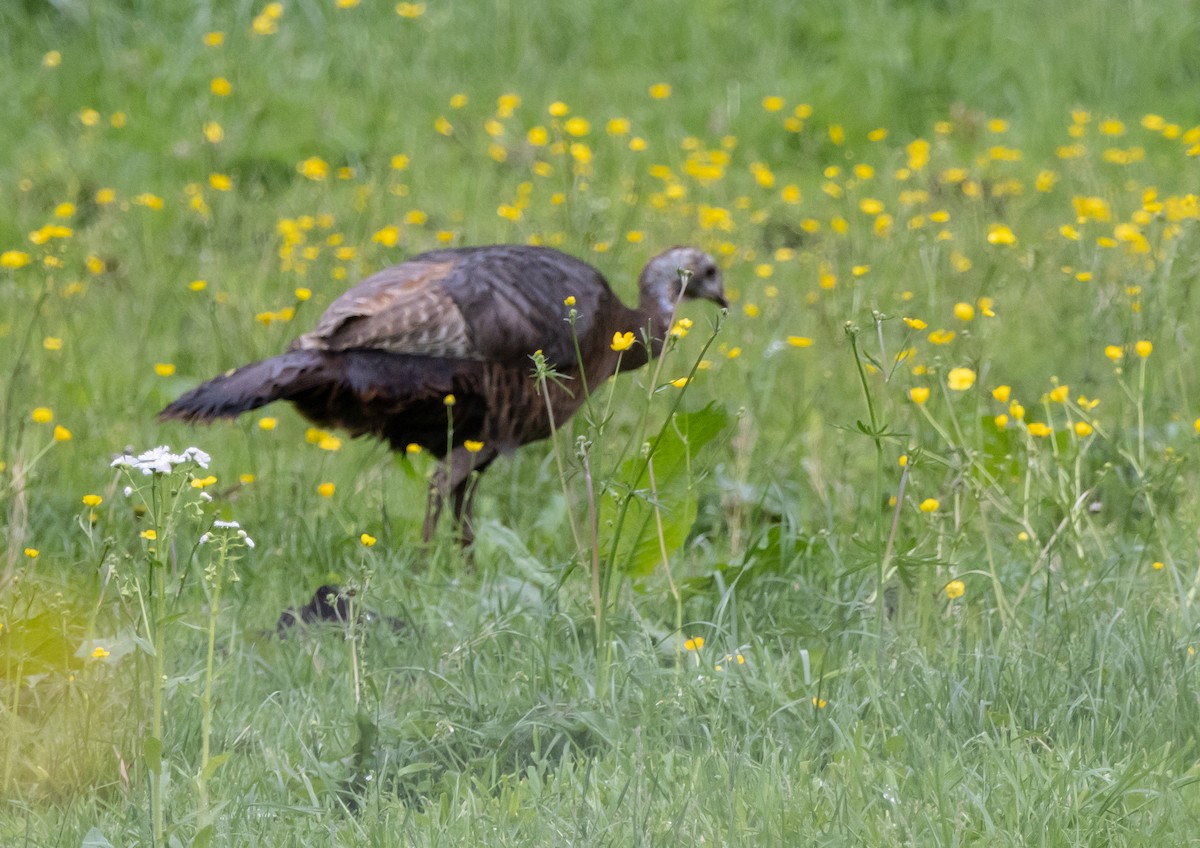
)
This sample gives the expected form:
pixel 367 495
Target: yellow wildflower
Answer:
pixel 577 126
pixel 388 236
pixel 14 259
pixel 617 126
pixel 622 341
pixel 314 168
pixel 1000 234
pixel 960 379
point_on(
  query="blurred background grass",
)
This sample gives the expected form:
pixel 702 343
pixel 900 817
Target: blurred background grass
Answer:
pixel 1054 701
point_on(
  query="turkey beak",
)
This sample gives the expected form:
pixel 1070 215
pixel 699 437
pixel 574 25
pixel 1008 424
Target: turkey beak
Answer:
pixel 719 300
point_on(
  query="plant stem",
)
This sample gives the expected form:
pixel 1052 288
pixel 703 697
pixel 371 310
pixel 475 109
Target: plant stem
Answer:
pixel 206 708
pixel 599 585
pixel 881 569
pixel 158 602
pixel 666 561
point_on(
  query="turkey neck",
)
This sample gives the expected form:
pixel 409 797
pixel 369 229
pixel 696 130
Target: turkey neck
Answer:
pixel 652 316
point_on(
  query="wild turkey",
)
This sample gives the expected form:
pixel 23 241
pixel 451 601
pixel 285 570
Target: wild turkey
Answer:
pixel 388 354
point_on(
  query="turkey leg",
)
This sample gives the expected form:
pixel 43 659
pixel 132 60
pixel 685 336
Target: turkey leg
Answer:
pixel 451 481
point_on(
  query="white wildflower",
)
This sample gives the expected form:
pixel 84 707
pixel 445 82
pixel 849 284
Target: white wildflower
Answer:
pixel 161 460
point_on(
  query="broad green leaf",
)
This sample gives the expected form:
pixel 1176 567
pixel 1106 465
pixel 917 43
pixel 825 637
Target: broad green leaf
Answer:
pixel 152 749
pixel 213 764
pixel 628 522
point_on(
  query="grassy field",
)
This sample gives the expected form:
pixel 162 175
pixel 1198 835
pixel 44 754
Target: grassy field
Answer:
pixel 928 565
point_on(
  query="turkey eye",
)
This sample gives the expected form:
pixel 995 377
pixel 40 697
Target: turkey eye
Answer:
pixel 710 272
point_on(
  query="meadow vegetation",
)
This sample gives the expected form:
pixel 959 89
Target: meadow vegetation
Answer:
pixel 902 550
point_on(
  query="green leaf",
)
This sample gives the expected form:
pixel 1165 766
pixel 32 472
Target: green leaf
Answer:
pixel 629 522
pixel 894 745
pixel 152 750
pixel 212 765
pixel 997 449
pixel 203 837
pixel 45 643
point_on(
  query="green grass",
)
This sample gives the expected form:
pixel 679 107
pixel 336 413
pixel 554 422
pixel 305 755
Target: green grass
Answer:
pixel 856 702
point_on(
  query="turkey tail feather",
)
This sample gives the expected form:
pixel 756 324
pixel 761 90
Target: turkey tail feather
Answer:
pixel 250 387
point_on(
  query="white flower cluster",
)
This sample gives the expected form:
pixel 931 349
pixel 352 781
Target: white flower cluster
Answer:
pixel 161 460
pixel 229 525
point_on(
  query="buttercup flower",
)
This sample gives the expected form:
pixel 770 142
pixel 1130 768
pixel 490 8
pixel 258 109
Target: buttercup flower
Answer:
pixel 960 379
